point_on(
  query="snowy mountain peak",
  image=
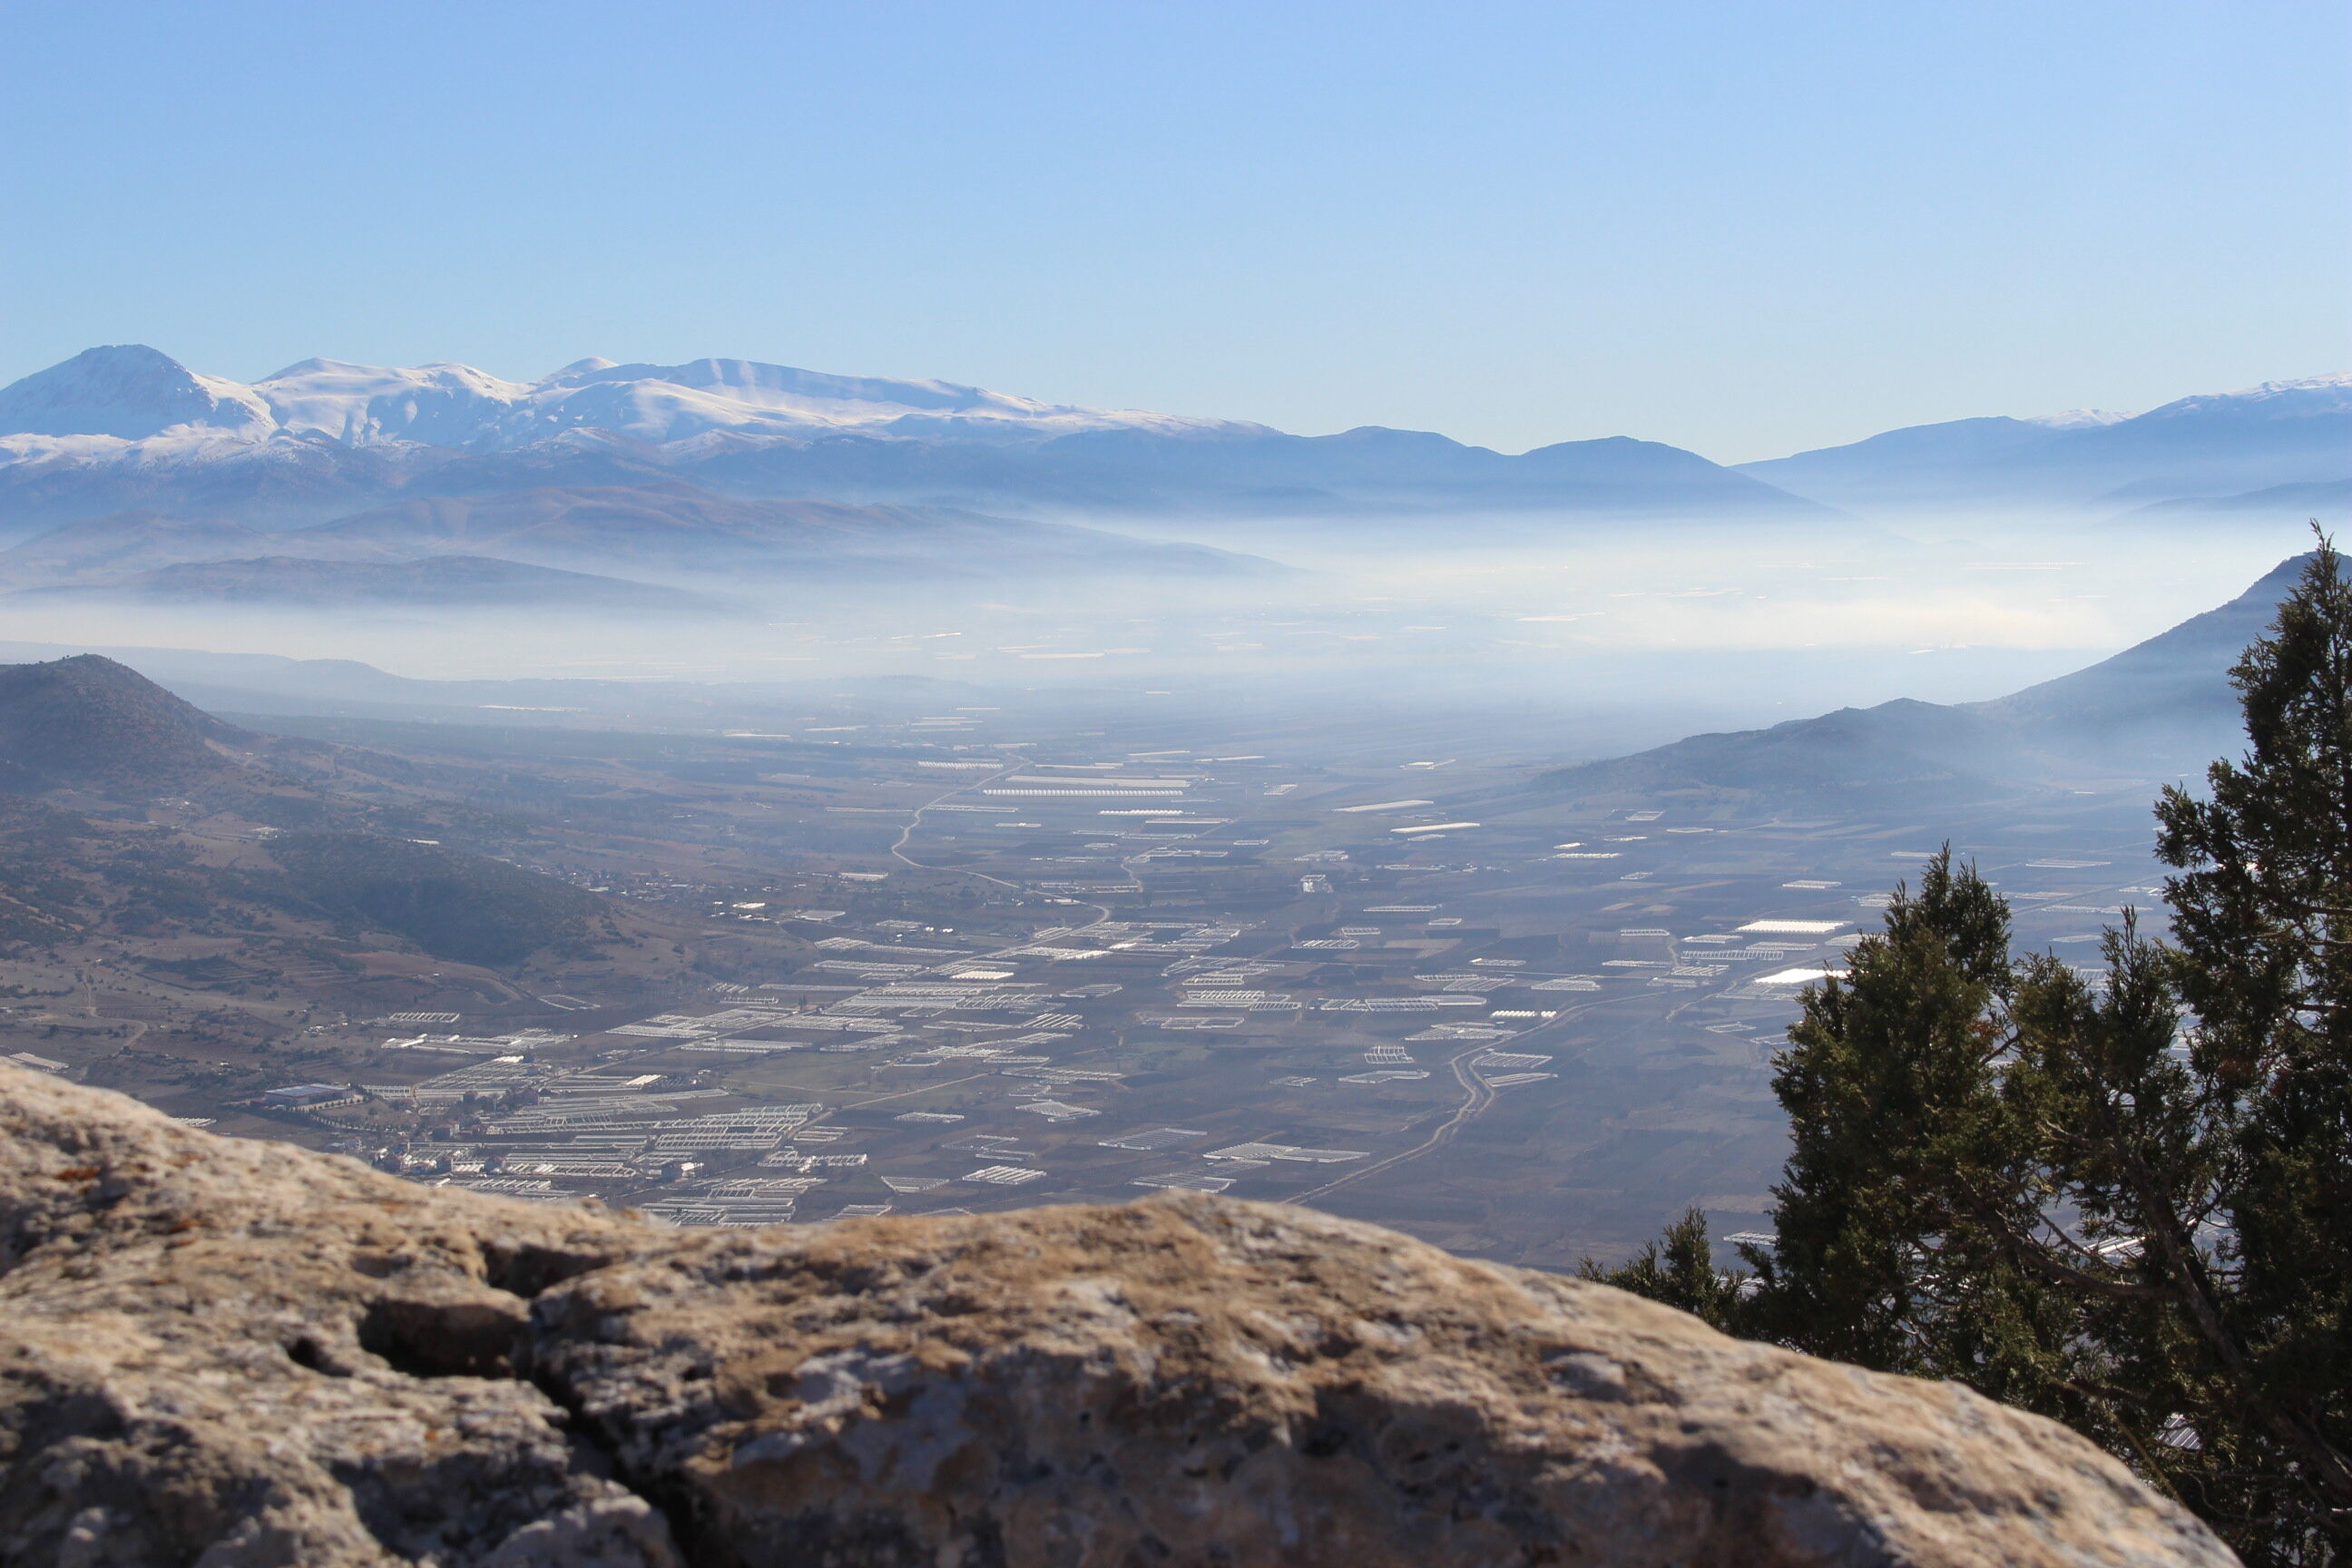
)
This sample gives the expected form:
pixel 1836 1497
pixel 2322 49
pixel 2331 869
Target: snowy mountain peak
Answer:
pixel 435 405
pixel 2077 419
pixel 2271 437
pixel 2270 400
pixel 131 391
pixel 2339 383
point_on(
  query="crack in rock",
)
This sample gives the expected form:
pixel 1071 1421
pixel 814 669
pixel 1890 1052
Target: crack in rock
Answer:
pixel 217 1353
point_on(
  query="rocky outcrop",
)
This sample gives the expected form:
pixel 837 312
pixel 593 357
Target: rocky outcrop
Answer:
pixel 236 1354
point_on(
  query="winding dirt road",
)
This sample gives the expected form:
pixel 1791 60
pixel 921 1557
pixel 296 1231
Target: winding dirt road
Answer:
pixel 1478 1094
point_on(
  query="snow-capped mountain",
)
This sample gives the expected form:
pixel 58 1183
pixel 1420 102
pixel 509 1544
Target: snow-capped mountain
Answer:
pixel 2279 434
pixel 131 392
pixel 127 427
pixel 2312 397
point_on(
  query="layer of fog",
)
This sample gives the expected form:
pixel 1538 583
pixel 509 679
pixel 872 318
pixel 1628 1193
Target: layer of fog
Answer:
pixel 1577 638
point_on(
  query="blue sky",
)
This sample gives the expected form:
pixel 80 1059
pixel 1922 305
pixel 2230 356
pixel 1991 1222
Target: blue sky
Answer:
pixel 1745 228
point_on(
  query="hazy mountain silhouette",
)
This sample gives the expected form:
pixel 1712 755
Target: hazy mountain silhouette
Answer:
pixel 2234 443
pixel 2330 502
pixel 125 542
pixel 663 527
pixel 672 527
pixel 93 727
pixel 2162 707
pixel 434 582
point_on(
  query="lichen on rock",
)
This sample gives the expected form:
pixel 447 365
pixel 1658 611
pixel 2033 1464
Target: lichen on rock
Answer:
pixel 225 1353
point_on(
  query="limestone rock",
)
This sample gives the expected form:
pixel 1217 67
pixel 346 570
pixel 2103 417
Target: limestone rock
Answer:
pixel 239 1353
pixel 223 1354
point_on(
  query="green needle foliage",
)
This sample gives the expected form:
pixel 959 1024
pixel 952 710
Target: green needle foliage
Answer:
pixel 1678 1270
pixel 2124 1201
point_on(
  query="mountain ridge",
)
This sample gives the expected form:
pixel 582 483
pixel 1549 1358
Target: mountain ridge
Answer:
pixel 666 528
pixel 262 846
pixel 127 426
pixel 2162 707
pixel 2273 433
pixel 429 581
pixel 130 392
pixel 88 719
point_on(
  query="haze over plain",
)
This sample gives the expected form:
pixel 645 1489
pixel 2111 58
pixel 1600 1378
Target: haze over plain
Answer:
pixel 1326 603
pixel 887 629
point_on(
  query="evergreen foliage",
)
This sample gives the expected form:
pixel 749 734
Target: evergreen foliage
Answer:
pixel 1678 1270
pixel 2122 1200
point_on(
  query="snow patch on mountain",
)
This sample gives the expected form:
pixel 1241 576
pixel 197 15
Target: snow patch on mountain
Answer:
pixel 435 405
pixel 2272 399
pixel 128 392
pixel 86 407
pixel 2077 419
pixel 2295 399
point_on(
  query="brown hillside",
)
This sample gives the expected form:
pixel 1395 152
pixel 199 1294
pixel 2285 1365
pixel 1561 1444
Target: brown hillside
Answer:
pixel 89 721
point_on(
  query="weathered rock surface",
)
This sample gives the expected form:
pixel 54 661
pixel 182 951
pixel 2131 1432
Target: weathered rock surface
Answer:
pixel 224 1353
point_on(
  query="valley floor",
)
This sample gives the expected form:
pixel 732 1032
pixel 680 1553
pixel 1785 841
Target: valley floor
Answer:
pixel 983 960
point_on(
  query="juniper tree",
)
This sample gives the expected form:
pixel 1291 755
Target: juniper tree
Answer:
pixel 2262 917
pixel 1678 1268
pixel 2123 1200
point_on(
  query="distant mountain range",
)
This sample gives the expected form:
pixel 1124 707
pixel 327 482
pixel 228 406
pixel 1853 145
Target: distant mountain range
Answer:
pixel 2160 709
pixel 135 393
pixel 127 427
pixel 578 548
pixel 254 685
pixel 2277 447
pixel 2329 500
pixel 679 528
pixel 434 582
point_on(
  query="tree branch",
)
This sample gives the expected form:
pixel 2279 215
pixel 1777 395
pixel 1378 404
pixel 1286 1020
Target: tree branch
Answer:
pixel 2328 1466
pixel 2035 1255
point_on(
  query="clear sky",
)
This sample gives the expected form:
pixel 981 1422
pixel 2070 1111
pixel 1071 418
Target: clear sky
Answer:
pixel 1745 228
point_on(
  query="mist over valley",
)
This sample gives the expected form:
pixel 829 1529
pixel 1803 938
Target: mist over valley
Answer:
pixel 1437 835
pixel 1398 787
